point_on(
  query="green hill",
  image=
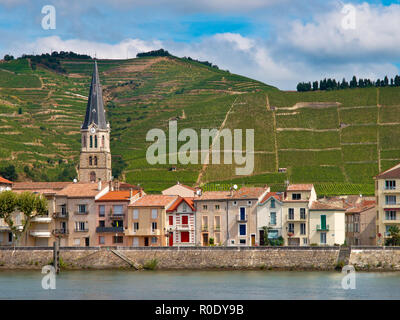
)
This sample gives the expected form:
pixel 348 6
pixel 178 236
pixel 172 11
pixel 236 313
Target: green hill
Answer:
pixel 335 139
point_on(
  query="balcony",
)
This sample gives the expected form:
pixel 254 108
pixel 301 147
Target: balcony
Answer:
pixel 110 229
pixel 81 230
pixel 182 227
pixel 81 212
pixel 204 228
pixel 115 216
pixel 40 234
pixel 296 218
pixel 60 232
pixel 241 218
pixel 60 215
pixel 143 232
pixel 217 228
pixel 42 219
pixel 4 228
pixel 322 228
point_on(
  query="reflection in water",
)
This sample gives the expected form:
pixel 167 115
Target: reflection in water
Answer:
pixel 198 285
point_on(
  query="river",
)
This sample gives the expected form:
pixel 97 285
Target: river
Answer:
pixel 198 285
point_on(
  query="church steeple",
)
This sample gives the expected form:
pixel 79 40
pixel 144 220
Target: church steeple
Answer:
pixel 95 158
pixel 95 108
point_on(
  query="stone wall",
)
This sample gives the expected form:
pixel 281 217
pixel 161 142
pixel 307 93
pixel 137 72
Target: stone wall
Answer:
pixel 375 258
pixel 292 258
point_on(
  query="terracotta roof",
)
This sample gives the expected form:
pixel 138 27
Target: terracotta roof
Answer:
pixel 272 194
pixel 3 180
pixel 40 185
pixel 127 186
pixel 242 193
pixel 81 190
pixel 317 205
pixel 300 187
pixel 214 195
pixel 363 206
pixel 178 201
pixel 123 195
pixel 391 173
pixel 154 200
pixel 183 185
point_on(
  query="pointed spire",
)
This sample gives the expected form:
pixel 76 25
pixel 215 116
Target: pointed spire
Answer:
pixel 95 109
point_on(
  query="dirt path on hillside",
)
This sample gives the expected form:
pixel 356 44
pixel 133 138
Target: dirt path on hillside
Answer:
pixel 306 129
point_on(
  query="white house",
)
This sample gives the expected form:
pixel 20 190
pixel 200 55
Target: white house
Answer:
pixel 181 223
pixel 269 214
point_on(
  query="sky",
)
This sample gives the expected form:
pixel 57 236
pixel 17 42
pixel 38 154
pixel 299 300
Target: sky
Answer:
pixel 279 42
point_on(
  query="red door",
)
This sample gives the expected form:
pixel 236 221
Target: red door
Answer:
pixel 171 239
pixel 184 236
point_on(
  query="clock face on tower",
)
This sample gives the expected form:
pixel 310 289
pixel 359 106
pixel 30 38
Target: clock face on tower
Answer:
pixel 93 130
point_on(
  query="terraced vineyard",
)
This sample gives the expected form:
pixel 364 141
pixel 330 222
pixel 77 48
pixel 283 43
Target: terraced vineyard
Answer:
pixel 336 139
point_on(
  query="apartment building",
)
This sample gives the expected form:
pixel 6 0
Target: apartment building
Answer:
pixel 269 215
pixel 228 217
pixel 112 216
pixel 387 193
pixel 147 220
pixel 361 223
pixel 76 218
pixel 326 223
pixel 295 214
pixel 181 223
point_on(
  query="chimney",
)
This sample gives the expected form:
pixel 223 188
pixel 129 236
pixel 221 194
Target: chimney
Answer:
pixel 130 193
pixel 110 186
pixel 99 185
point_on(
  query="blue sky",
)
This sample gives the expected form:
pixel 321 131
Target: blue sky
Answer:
pixel 278 42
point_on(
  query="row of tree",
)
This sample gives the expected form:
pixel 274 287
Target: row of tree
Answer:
pixel 332 84
pixel 27 203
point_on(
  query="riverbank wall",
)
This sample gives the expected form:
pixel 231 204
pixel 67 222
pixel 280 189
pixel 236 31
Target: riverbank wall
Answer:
pixel 202 258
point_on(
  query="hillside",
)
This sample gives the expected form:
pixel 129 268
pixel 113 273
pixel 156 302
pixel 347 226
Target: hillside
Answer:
pixel 336 139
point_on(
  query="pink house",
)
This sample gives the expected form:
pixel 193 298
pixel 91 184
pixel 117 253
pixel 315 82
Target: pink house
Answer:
pixel 181 222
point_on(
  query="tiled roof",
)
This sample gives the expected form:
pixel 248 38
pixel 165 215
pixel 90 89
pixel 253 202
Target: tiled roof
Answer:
pixel 391 173
pixel 178 201
pixel 123 195
pixel 81 190
pixel 317 205
pixel 127 186
pixel 154 200
pixel 242 193
pixel 3 180
pixel 40 185
pixel 272 194
pixel 214 195
pixel 300 187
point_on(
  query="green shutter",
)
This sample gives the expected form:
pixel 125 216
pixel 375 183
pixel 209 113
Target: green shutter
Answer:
pixel 323 222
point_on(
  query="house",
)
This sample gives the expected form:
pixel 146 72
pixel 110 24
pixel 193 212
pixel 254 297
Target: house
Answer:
pixel 295 216
pixel 75 218
pixel 5 184
pixel 228 217
pixel 181 190
pixel 387 193
pixel 327 223
pixel 269 215
pixel 112 216
pixel 147 220
pixel 181 223
pixel 361 223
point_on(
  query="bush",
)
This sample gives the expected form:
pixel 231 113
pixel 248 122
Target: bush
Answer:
pixel 151 264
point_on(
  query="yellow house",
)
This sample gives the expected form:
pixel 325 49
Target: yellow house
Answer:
pixel 327 224
pixel 387 193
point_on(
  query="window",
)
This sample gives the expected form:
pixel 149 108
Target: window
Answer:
pixel 102 141
pixel 249 203
pixel 232 241
pixel 185 220
pixel 184 236
pixel 95 161
pixel 391 215
pixel 118 210
pixel 80 226
pixel 291 214
pixel 302 228
pixel 272 203
pixel 390 184
pixel 303 213
pixel 291 227
pixel 118 239
pixel 95 141
pixel 273 234
pixel 90 161
pixel 204 207
pixel 390 199
pixel 91 141
pixel 356 227
pixel 242 213
pixel 323 238
pixel 154 213
pixel 84 141
pixel 10 237
pixel 82 208
pixel 272 218
pixel 135 242
pixel 135 226
pixel 242 229
pixel 242 241
pixel 102 211
pixel 204 225
pixel 217 223
pixel 77 241
pixel 217 207
pixel 135 214
pixel 102 223
pixel 153 226
pixel 102 240
pixel 305 241
pixel 63 209
pixel 154 240
pixel 171 220
pixel 217 238
pixel 296 196
pixel 234 203
pixel 184 207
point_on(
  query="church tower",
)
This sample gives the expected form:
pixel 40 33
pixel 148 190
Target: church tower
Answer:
pixel 95 158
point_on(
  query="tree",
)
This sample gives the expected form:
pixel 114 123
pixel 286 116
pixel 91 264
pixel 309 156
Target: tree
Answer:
pixel 9 173
pixel 8 204
pixel 394 234
pixel 8 57
pixel 266 231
